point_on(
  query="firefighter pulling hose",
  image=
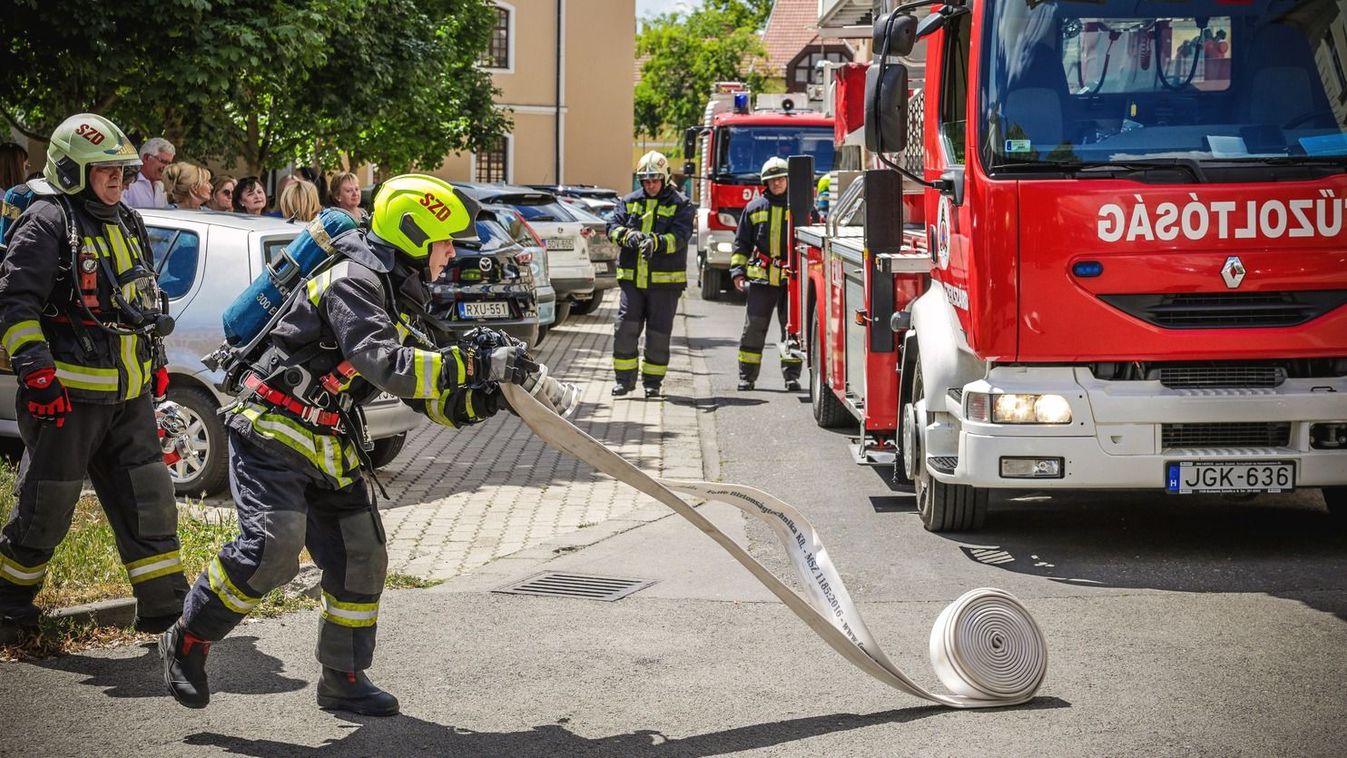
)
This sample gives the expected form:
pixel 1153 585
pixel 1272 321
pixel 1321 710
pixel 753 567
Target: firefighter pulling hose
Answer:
pixel 985 647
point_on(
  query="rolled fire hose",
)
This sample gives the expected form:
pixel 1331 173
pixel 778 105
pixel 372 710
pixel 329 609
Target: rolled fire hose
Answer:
pixel 985 647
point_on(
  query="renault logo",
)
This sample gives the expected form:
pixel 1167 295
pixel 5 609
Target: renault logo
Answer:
pixel 1233 271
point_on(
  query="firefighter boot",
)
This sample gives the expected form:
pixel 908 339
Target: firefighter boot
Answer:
pixel 353 691
pixel 745 385
pixel 18 624
pixel 184 657
pixel 792 385
pixel 622 388
pixel 653 390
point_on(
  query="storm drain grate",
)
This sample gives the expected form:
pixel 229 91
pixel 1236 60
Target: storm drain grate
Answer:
pixel 555 584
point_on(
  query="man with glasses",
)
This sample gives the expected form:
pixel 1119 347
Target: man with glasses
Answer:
pixel 146 191
pixel 82 328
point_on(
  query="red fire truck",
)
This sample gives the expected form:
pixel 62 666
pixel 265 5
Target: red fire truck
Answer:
pixel 1129 267
pixel 735 141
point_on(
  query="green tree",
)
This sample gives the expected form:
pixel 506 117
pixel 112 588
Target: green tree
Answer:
pixel 688 53
pixel 265 82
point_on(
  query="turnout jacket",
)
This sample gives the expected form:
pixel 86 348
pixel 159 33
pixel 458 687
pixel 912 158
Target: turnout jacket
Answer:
pixel 762 240
pixel 39 295
pixel 668 216
pixel 354 310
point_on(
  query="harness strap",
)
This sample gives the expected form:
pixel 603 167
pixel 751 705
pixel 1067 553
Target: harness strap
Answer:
pixel 310 414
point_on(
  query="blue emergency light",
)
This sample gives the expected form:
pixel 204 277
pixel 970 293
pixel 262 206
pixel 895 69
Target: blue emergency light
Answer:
pixel 741 102
pixel 1087 269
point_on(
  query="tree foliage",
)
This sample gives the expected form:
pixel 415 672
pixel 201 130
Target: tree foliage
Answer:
pixel 394 82
pixel 689 52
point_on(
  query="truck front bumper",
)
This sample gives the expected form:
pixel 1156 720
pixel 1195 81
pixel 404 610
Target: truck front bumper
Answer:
pixel 718 246
pixel 1117 438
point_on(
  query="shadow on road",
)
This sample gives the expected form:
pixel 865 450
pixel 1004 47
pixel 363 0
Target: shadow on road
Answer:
pixel 238 667
pixel 406 735
pixel 1199 544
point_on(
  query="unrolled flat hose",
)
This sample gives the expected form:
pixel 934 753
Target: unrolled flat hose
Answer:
pixel 985 647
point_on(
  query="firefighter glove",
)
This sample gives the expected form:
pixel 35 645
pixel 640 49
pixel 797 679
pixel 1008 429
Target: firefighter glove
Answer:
pixel 510 364
pixel 45 397
pixel 160 383
pixel 647 246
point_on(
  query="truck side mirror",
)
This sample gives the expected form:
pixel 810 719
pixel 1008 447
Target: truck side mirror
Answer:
pixel 886 107
pixel 800 188
pixel 883 211
pixel 898 30
pixel 690 135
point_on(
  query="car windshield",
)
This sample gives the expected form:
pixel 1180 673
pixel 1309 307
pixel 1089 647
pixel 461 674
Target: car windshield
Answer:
pixel 1108 81
pixel 741 150
pixel 577 213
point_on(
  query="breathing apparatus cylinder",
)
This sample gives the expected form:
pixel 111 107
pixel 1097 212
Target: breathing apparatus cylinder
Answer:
pixel 252 309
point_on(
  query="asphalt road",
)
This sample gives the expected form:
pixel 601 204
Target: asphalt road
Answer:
pixel 1174 627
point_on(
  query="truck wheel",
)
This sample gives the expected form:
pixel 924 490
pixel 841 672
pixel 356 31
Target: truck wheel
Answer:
pixel 710 279
pixel 1336 500
pixel 829 413
pixel 942 507
pixel 386 449
pixel 205 471
pixel 586 307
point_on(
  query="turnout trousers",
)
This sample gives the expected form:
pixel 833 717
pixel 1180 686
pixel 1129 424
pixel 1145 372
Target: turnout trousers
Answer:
pixel 650 309
pixel 284 505
pixel 763 300
pixel 117 445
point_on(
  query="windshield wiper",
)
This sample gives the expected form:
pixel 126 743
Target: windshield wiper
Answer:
pixel 1078 169
pixel 1337 161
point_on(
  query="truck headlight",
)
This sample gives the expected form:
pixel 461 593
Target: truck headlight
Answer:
pixel 724 247
pixel 1017 408
pixel 727 219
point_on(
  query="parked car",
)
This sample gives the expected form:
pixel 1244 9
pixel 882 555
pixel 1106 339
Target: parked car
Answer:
pixel 205 259
pixel 597 200
pixel 602 253
pixel 567 256
pixel 487 283
pixel 525 236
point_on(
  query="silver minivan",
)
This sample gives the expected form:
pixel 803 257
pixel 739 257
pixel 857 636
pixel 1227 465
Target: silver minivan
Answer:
pixel 205 259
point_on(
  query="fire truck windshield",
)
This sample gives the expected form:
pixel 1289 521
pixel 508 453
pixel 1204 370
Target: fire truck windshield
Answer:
pixel 741 150
pixel 1085 83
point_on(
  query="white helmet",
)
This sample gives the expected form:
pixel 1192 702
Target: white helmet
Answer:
pixel 774 168
pixel 653 165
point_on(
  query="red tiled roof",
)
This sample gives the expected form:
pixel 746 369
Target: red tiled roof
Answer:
pixel 792 27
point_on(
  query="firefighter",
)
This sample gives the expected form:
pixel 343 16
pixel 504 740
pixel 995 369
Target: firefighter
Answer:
pixel 758 265
pixel 652 225
pixel 82 329
pixel 295 434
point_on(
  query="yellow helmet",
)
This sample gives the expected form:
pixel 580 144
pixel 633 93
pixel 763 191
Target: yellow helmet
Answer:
pixel 414 211
pixel 85 140
pixel 775 168
pixel 653 165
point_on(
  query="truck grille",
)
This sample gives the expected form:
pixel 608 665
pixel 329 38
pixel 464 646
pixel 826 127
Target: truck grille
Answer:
pixel 1210 377
pixel 1224 310
pixel 1270 434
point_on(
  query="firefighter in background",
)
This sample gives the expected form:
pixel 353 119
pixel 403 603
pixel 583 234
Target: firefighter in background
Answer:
pixel 652 225
pixel 82 329
pixel 294 437
pixel 758 264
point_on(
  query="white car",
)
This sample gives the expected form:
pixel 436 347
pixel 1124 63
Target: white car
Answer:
pixel 205 259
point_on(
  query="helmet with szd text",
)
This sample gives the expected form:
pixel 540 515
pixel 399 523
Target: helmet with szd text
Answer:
pixel 81 142
pixel 414 211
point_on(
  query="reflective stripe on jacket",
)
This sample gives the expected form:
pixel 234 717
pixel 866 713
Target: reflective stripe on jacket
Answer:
pixel 762 240
pixel 668 217
pixel 37 291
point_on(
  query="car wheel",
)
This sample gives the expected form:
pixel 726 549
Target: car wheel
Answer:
pixel 563 311
pixel 829 413
pixel 589 306
pixel 386 449
pixel 205 470
pixel 1335 498
pixel 942 507
pixel 542 334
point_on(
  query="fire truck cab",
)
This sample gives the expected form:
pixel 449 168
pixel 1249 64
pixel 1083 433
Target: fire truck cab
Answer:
pixel 1133 212
pixel 735 140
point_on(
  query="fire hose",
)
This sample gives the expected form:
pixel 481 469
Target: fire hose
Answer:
pixel 985 647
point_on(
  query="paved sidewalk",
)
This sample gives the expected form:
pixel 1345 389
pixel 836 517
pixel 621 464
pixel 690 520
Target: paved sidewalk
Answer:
pixel 462 498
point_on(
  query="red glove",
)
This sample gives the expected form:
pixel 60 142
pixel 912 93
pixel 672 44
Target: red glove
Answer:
pixel 160 383
pixel 47 400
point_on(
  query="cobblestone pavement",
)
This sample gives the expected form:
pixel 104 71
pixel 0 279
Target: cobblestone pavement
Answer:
pixel 461 498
